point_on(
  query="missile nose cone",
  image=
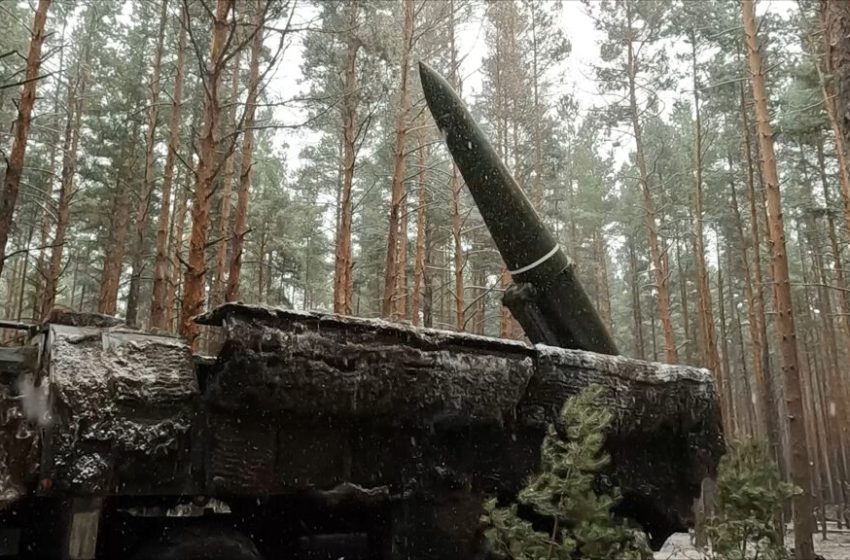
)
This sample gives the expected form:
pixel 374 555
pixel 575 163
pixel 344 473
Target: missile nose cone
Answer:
pixel 426 76
pixel 436 89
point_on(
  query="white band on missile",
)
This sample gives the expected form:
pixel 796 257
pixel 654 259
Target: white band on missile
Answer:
pixel 536 263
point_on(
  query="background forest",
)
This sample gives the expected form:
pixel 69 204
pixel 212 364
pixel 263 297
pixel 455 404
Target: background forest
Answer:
pixel 163 157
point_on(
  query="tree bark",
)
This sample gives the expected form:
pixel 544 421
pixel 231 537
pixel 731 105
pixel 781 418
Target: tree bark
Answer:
pixel 802 503
pixel 149 183
pixel 637 314
pixel 658 261
pixel 193 286
pixel 456 187
pixel 240 225
pixel 837 61
pixel 119 231
pixel 159 310
pixel 843 396
pixel 229 127
pixel 176 256
pixel 15 163
pixel 76 93
pixel 419 270
pixel 835 16
pixel 771 407
pixel 395 236
pixel 707 330
pixel 689 342
pixel 752 313
pixel 343 282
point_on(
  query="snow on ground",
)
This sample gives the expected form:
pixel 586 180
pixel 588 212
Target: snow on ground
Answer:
pixel 836 547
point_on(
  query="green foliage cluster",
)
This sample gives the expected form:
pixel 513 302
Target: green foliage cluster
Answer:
pixel 746 525
pixel 563 491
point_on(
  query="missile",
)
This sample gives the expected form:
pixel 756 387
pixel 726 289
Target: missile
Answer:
pixel 547 298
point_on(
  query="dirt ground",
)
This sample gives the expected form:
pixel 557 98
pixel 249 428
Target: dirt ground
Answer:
pixel 836 547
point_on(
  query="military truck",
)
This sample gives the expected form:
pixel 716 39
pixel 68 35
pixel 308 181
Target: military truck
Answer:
pixel 310 435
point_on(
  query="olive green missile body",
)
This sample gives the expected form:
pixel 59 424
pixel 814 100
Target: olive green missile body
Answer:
pixel 547 299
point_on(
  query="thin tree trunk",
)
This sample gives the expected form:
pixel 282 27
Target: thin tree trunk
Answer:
pixel 47 196
pixel 159 308
pixel 709 345
pixel 76 93
pixel 176 255
pixel 455 187
pixel 802 503
pixel 637 314
pixel 148 184
pixel 752 312
pixel 15 162
pixel 193 286
pixel 768 397
pixel 240 226
pixel 683 295
pixel 419 271
pixel 843 397
pixel 395 235
pixel 659 262
pixel 727 393
pixel 604 292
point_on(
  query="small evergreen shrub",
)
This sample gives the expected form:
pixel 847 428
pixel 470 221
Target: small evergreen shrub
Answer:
pixel 583 525
pixel 751 492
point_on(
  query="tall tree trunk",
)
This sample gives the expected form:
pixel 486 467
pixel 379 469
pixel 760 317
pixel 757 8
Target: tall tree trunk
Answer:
pixel 637 314
pixel 689 343
pixel 802 503
pixel 604 292
pixel 842 398
pixel 47 195
pixel 15 163
pixel 660 269
pixel 752 311
pixel 395 234
pixel 119 231
pixel 771 407
pixel 76 94
pixel 161 287
pixel 428 275
pixel 419 270
pixel 193 286
pixel 143 210
pixel 240 225
pixel 727 393
pixel 343 282
pixel 709 337
pixel 456 187
pixel 176 255
pixel 229 127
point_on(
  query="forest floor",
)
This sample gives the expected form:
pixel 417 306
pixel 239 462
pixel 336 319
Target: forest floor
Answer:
pixel 836 547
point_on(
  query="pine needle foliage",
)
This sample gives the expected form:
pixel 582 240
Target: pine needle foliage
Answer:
pixel 746 525
pixel 563 491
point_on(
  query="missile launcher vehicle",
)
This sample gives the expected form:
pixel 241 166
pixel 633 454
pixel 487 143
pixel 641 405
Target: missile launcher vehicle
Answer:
pixel 318 436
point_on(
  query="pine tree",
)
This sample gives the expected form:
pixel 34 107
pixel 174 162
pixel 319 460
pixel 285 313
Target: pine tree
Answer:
pixel 563 491
pixel 751 493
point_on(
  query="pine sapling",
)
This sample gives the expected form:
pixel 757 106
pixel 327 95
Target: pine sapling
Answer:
pixel 582 524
